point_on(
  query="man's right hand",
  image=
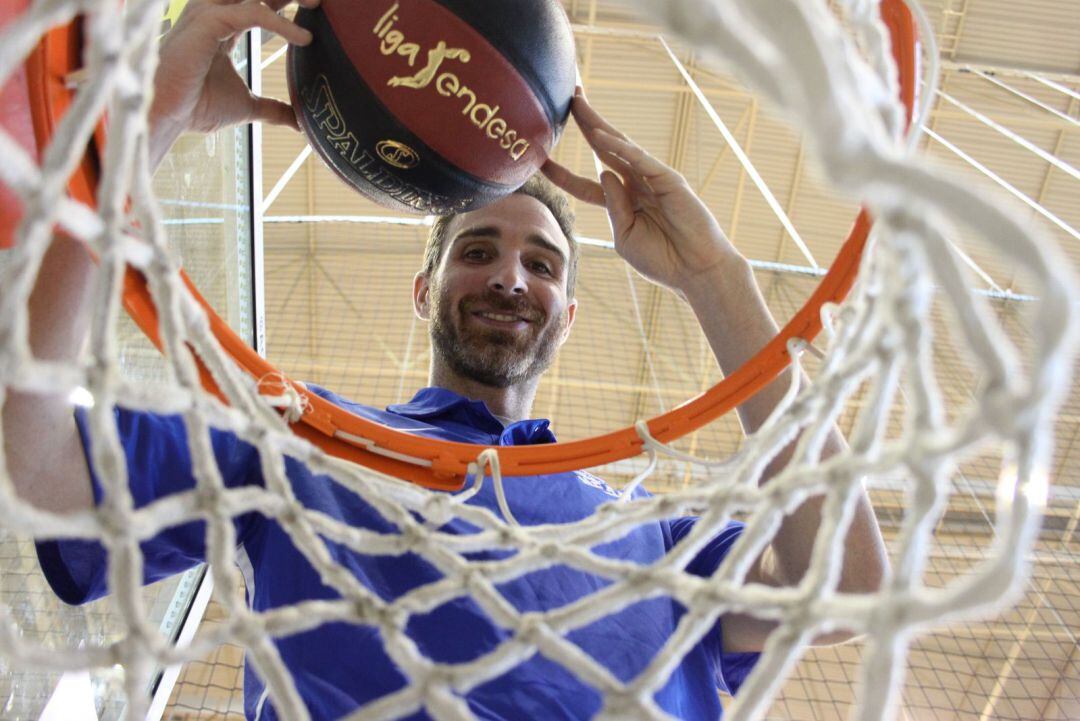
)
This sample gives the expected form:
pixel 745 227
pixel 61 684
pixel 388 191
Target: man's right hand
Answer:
pixel 197 87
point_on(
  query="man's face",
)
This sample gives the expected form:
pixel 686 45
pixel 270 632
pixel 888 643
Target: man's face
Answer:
pixel 497 300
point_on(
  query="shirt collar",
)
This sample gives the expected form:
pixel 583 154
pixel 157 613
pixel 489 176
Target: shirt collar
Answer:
pixel 432 404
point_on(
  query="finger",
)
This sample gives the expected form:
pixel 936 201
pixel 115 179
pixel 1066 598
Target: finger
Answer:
pixel 273 112
pixel 620 166
pixel 591 124
pixel 241 18
pixel 619 204
pixel 582 188
pixel 277 5
pixel 589 119
pixel 639 160
pixel 633 180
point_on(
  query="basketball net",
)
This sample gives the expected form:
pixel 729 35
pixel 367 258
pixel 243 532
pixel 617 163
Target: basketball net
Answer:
pixel 837 85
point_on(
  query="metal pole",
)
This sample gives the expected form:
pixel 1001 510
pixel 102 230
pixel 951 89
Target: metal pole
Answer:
pixel 766 192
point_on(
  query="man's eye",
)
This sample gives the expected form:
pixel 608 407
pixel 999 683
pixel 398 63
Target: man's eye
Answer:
pixel 542 268
pixel 476 254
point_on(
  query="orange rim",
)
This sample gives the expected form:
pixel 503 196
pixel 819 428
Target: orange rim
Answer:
pixel 442 464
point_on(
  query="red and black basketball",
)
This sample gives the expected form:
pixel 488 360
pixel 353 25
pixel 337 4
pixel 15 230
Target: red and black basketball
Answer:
pixel 434 106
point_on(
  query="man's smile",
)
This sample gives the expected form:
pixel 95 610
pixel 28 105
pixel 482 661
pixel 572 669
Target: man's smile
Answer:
pixel 502 319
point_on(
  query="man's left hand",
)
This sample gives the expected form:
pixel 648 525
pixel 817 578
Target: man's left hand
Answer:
pixel 659 225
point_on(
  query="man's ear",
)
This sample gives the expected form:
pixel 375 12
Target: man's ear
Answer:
pixel 421 296
pixel 571 313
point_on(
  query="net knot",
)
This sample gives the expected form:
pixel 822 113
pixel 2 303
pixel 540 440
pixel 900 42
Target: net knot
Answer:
pixel 472 580
pixel 530 628
pixel 436 681
pixel 208 498
pixel 641 577
pixel 280 392
pixel 290 516
pixel 116 526
pixel 620 704
pixel 390 618
pixel 550 549
pixel 510 536
pixel 710 595
pixel 414 538
pixel 438 510
pixel 364 608
pixel 1001 410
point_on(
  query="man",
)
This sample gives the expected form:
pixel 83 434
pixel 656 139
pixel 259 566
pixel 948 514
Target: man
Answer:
pixel 497 288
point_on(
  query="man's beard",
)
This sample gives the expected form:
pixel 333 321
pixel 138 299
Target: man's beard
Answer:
pixel 491 356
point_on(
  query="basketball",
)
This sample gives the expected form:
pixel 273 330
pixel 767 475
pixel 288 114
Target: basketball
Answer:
pixel 434 106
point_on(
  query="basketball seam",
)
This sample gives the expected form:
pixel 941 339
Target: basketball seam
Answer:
pixel 435 159
pixel 521 64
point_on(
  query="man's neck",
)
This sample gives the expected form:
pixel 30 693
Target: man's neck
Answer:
pixel 510 404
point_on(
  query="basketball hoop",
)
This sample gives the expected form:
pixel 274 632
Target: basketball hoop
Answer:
pixel 442 464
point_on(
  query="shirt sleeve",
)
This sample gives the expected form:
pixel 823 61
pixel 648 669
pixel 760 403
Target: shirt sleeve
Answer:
pixel 158 465
pixel 731 668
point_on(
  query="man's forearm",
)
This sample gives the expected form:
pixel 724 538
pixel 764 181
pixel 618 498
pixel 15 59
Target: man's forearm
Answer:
pixel 737 323
pixel 42 446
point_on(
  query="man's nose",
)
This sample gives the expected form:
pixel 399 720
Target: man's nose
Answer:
pixel 508 277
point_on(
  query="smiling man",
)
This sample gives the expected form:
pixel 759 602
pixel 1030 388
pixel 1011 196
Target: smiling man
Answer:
pixel 497 286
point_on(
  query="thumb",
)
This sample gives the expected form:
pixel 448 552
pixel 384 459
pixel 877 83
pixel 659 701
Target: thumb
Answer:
pixel 274 112
pixel 619 205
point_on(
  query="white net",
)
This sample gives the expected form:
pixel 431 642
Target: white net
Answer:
pixel 793 53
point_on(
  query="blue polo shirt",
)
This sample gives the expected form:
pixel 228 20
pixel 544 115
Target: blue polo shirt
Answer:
pixel 339 666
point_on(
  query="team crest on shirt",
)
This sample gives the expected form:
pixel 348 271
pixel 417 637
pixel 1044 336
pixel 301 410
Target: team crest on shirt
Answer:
pixel 596 482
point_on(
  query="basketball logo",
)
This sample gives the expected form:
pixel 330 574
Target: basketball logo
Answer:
pixel 474 95
pixel 397 154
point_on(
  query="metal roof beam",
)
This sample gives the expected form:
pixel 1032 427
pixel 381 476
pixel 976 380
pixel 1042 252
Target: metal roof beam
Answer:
pixel 723 153
pixel 1034 101
pixel 1006 185
pixel 1039 74
pixel 1016 71
pixel 366 219
pixel 744 159
pixel 275 56
pixel 818 272
pixel 674 88
pixel 1015 137
pixel 1045 80
pixel 285 178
